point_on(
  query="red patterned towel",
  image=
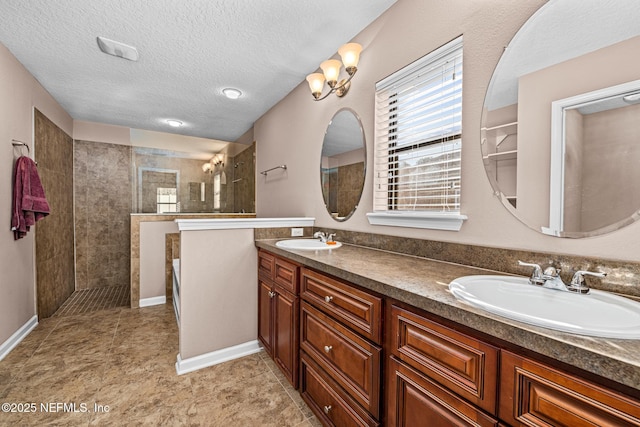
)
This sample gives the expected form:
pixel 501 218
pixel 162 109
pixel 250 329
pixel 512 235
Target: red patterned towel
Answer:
pixel 29 201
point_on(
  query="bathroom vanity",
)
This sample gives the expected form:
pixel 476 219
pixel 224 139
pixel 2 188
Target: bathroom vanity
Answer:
pixel 383 342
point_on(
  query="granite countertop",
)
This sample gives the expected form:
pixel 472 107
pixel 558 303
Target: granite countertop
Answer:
pixel 423 283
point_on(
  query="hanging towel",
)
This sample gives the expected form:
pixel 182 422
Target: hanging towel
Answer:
pixel 29 201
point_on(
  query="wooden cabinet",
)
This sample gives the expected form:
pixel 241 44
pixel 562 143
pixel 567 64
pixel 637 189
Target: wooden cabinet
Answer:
pixel 416 401
pixel 359 310
pixel 433 370
pixel 340 334
pixel 533 394
pixel 278 312
pixel 463 364
pixel 327 335
pixel 333 406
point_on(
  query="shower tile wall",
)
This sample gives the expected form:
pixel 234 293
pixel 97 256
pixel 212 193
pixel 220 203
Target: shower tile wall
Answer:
pixel 350 182
pixel 242 193
pixel 103 194
pixel 55 280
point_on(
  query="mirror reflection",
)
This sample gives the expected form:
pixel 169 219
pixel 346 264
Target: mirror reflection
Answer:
pixel 563 174
pixel 342 169
pixel 214 176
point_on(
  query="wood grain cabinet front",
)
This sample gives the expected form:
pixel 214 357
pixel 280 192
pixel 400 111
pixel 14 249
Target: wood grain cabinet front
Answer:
pixel 357 309
pixel 534 394
pixel 416 401
pixel 279 313
pixel 349 359
pixel 463 364
pixel 332 405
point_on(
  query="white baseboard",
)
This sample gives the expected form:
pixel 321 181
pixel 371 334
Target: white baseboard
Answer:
pixel 148 302
pixel 215 357
pixel 18 336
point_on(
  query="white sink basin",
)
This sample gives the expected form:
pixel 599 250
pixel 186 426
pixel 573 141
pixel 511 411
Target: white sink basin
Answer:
pixel 599 314
pixel 306 245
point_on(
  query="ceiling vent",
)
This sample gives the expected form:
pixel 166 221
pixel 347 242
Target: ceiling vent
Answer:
pixel 121 50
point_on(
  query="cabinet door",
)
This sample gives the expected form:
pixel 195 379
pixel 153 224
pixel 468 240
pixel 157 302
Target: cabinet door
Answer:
pixel 285 336
pixel 533 394
pixel 413 400
pixel 265 325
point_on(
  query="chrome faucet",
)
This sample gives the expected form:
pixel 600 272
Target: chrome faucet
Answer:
pixel 550 278
pixel 578 283
pixel 536 274
pixel 320 235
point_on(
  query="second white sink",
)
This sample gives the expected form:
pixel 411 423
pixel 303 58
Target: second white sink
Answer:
pixel 306 245
pixel 599 314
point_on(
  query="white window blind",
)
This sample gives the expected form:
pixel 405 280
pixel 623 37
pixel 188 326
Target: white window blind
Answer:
pixel 418 134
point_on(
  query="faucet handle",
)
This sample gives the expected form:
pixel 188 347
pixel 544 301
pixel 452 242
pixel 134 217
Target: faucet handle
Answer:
pixel 536 275
pixel 578 283
pixel 331 236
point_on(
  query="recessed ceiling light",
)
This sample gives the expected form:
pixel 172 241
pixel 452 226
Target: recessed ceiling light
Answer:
pixel 231 93
pixel 174 123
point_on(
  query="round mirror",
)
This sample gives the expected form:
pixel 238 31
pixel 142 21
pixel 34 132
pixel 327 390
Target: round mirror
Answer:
pixel 561 120
pixel 342 169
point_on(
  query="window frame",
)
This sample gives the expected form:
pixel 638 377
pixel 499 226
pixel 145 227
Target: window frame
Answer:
pixel 433 219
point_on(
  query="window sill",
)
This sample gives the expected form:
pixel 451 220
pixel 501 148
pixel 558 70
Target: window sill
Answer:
pixel 431 220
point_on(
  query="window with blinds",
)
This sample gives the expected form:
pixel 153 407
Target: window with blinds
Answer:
pixel 418 134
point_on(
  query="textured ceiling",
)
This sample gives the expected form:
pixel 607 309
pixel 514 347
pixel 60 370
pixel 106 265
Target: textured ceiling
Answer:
pixel 559 31
pixel 189 51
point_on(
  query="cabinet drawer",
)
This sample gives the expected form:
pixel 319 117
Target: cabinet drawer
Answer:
pixel 533 394
pixel 349 359
pixel 266 265
pixel 465 365
pixel 286 275
pixel 357 309
pixel 329 402
pixel 414 400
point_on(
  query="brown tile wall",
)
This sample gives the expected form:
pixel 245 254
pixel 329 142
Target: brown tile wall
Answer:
pixel 350 183
pixel 103 194
pixel 55 278
pixel 240 195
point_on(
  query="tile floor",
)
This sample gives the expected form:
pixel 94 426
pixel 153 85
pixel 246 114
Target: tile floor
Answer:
pixel 124 359
pixel 94 299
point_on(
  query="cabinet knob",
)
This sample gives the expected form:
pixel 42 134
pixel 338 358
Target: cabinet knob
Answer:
pixel 272 294
pixel 328 348
pixel 328 298
pixel 327 409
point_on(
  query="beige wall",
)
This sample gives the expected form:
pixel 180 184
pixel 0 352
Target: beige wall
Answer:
pixel 19 94
pixel 292 131
pixel 213 314
pixel 152 257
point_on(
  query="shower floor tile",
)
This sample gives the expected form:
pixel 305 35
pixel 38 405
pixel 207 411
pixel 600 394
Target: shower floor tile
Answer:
pixel 89 300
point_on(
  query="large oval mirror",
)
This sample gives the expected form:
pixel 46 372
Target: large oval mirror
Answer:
pixel 561 119
pixel 342 169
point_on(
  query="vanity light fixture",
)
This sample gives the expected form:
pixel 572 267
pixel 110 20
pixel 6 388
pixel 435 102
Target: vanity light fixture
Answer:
pixel 174 123
pixel 350 54
pixel 231 93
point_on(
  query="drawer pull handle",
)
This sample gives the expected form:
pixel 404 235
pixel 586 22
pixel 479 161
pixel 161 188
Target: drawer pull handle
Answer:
pixel 327 409
pixel 328 298
pixel 328 348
